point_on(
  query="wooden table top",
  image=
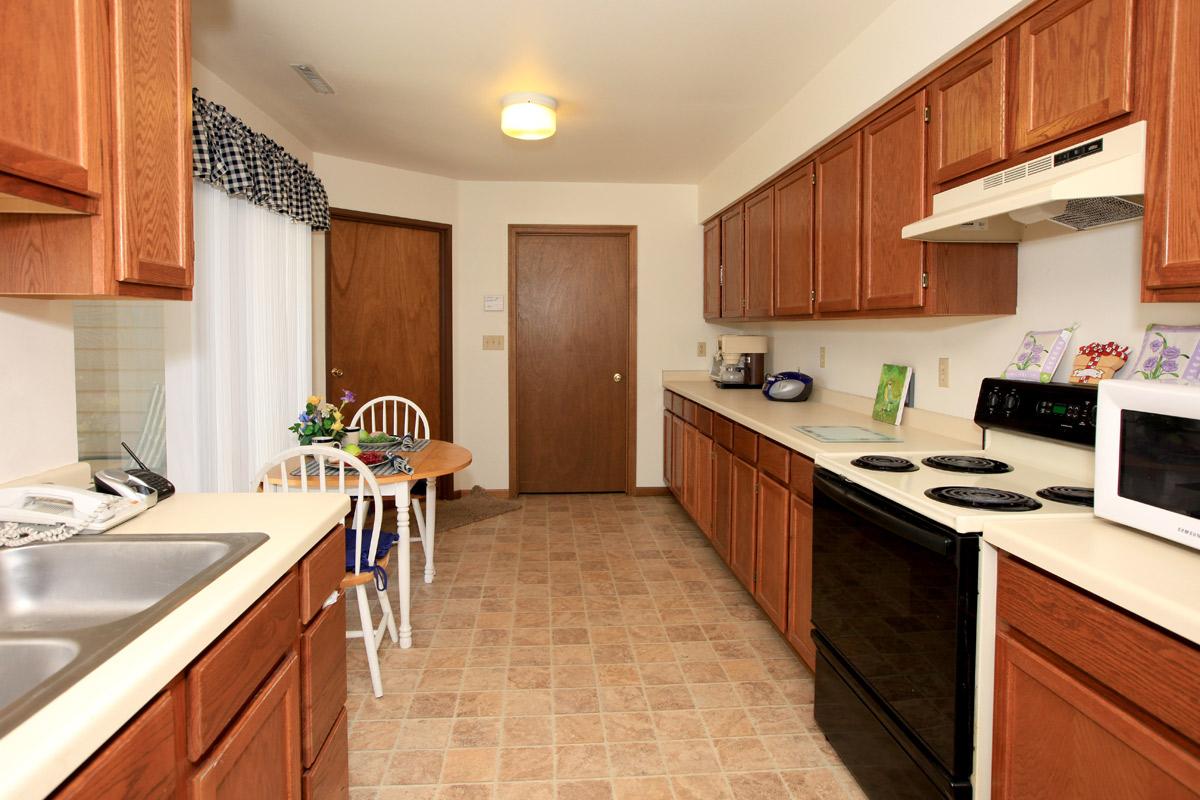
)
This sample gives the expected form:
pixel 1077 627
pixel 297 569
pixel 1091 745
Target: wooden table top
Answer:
pixel 437 459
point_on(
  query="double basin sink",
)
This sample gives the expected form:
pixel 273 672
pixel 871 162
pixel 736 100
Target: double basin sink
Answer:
pixel 68 606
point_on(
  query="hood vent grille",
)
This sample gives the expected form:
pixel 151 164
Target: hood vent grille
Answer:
pixel 1095 212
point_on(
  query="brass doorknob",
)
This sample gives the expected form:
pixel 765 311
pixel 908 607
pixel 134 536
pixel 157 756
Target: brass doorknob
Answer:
pixel 337 373
pixel 616 377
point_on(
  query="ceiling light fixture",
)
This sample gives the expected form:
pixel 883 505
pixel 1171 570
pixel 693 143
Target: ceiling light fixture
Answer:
pixel 526 115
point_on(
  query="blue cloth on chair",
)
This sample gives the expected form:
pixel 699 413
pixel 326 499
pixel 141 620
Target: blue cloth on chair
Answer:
pixel 363 557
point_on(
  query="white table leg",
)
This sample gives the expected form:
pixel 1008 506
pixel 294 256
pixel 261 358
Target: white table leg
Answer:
pixel 430 514
pixel 402 564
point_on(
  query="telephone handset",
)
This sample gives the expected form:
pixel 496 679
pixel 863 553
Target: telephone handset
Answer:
pixel 50 504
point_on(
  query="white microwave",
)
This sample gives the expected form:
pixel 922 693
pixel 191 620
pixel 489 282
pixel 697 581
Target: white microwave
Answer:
pixel 1148 458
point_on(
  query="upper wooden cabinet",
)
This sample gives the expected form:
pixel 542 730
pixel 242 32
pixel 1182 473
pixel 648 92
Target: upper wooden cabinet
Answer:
pixel 967 115
pixel 839 224
pixel 733 264
pixel 1073 62
pixel 712 269
pixel 794 244
pixel 894 196
pixel 760 252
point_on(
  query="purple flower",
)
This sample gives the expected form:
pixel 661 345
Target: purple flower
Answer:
pixel 1170 365
pixel 1037 350
pixel 304 417
pixel 1156 345
pixel 1171 352
pixel 1149 364
pixel 1023 357
pixel 347 396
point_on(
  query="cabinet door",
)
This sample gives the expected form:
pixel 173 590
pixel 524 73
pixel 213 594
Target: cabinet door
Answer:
pixel 668 475
pixel 794 244
pixel 760 252
pixel 153 142
pixel 722 523
pixel 678 465
pixel 50 76
pixel 259 755
pixel 799 612
pixel 702 469
pixel 712 269
pixel 1073 64
pixel 742 527
pixel 771 571
pixel 691 442
pixel 322 677
pixel 733 265
pixel 839 225
pixel 894 196
pixel 966 110
pixel 1057 736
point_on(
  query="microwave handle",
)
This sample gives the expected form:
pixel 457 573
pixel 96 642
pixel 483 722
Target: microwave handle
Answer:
pixel 861 504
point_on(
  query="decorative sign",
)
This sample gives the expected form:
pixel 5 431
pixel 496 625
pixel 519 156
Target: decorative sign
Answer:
pixel 493 302
pixel 1038 355
pixel 1170 354
pixel 1098 361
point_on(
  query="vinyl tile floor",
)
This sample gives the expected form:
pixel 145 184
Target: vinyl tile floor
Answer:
pixel 586 647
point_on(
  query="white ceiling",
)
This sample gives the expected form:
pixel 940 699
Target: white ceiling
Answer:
pixel 655 91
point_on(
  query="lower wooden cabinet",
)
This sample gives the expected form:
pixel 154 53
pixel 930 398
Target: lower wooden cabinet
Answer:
pixel 799 610
pixel 744 486
pixel 323 677
pixel 678 461
pixel 700 477
pixel 667 474
pixel 771 569
pixel 722 522
pixel 329 776
pixel 691 442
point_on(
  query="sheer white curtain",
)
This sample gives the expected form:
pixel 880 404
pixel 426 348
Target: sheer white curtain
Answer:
pixel 239 356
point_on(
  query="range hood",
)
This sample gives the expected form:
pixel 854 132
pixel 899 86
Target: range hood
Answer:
pixel 1099 182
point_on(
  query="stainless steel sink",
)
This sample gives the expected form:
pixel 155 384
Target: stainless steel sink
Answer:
pixel 68 606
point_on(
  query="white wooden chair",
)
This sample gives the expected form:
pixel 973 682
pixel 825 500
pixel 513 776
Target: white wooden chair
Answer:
pixel 397 416
pixel 275 477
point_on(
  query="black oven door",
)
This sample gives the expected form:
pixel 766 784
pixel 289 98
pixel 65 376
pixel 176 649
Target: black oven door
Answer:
pixel 894 598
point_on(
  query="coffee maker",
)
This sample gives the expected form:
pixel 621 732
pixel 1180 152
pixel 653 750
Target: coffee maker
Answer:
pixel 738 363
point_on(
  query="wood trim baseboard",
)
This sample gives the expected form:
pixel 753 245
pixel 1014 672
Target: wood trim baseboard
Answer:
pixel 503 494
pixel 650 491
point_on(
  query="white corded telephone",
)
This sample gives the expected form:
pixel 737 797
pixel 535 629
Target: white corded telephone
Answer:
pixel 75 510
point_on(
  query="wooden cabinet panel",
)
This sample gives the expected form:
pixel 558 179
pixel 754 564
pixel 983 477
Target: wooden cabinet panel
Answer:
pixel 799 608
pixel 773 459
pixel 723 431
pixel 794 244
pixel 760 252
pixel 259 756
pixel 140 761
pixel 678 463
pixel 801 476
pixel 733 264
pixel 668 476
pixel 771 558
pixel 967 114
pixel 838 219
pixel 745 443
pixel 722 523
pixel 744 486
pixel 329 776
pixel 894 196
pixel 322 677
pixel 704 420
pixel 221 680
pixel 1056 735
pixel 691 441
pixel 1073 64
pixel 321 573
pixel 702 479
pixel 712 269
pixel 689 412
pixel 677 404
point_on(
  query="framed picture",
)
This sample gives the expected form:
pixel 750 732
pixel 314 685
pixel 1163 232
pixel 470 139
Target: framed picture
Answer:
pixel 1039 355
pixel 894 381
pixel 1169 354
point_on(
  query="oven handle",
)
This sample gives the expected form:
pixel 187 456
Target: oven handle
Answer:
pixel 859 503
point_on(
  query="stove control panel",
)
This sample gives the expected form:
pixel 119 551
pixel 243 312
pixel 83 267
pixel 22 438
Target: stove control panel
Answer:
pixel 1062 411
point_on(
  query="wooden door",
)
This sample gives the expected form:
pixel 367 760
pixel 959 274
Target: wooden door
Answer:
pixel 387 319
pixel 722 523
pixel 691 444
pixel 799 609
pixel 259 754
pixel 794 244
pixel 771 570
pixel 1057 735
pixel 712 269
pixel 571 367
pixel 153 142
pixel 667 476
pixel 744 484
pixel 702 477
pixel 966 109
pixel 50 130
pixel 1073 63
pixel 760 252
pixel 733 264
pixel 678 457
pixel 894 196
pixel 839 225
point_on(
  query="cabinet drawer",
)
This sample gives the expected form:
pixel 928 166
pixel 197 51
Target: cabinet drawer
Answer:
pixel 723 431
pixel 322 677
pixel 676 405
pixel 668 399
pixel 745 443
pixel 773 459
pixel 329 776
pixel 704 420
pixel 689 412
pixel 321 573
pixel 802 475
pixel 221 680
pixel 1152 669
pixel 139 761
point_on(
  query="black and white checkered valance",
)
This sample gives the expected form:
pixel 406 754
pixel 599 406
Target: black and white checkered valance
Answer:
pixel 243 163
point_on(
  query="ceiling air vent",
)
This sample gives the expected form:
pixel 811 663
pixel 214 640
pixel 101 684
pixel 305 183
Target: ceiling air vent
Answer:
pixel 313 78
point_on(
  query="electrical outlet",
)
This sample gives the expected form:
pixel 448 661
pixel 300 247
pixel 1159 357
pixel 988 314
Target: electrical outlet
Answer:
pixel 943 373
pixel 493 342
pixel 821 355
pixel 702 349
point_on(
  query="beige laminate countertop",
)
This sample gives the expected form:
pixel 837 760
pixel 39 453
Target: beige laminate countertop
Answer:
pixel 775 420
pixel 1156 579
pixel 37 755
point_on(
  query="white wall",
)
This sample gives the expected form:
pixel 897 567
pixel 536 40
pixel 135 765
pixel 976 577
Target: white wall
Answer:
pixel 1091 278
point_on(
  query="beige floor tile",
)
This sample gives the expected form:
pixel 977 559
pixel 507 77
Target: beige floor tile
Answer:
pixel 744 754
pixel 580 761
pixel 466 765
pixel 628 726
pixel 635 758
pixel 689 756
pixel 525 790
pixel 527 730
pixel 701 787
pixel 578 729
pixel 584 790
pixel 475 732
pixel 526 763
pixel 642 789
pixel 414 767
pixel 757 786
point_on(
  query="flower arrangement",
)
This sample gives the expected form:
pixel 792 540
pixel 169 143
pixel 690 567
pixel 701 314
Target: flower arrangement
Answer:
pixel 320 418
pixel 1163 359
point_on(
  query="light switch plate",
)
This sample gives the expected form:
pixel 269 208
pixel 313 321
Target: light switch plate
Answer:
pixel 493 302
pixel 493 342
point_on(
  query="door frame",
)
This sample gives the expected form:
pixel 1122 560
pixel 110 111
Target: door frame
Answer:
pixel 630 232
pixel 445 310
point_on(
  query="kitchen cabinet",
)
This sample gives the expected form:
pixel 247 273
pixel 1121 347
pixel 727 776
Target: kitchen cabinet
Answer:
pixel 743 528
pixel 838 215
pixel 700 477
pixel 722 522
pixel 771 558
pixel 668 475
pixel 678 460
pixel 690 446
pixel 893 196
pixel 1074 64
pixel 799 598
pixel 1089 700
pixel 966 114
pixel 712 269
pixel 760 252
pixel 794 294
pixel 733 264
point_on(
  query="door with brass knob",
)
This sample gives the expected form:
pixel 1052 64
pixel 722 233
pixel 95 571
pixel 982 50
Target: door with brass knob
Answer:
pixel 337 373
pixel 616 377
